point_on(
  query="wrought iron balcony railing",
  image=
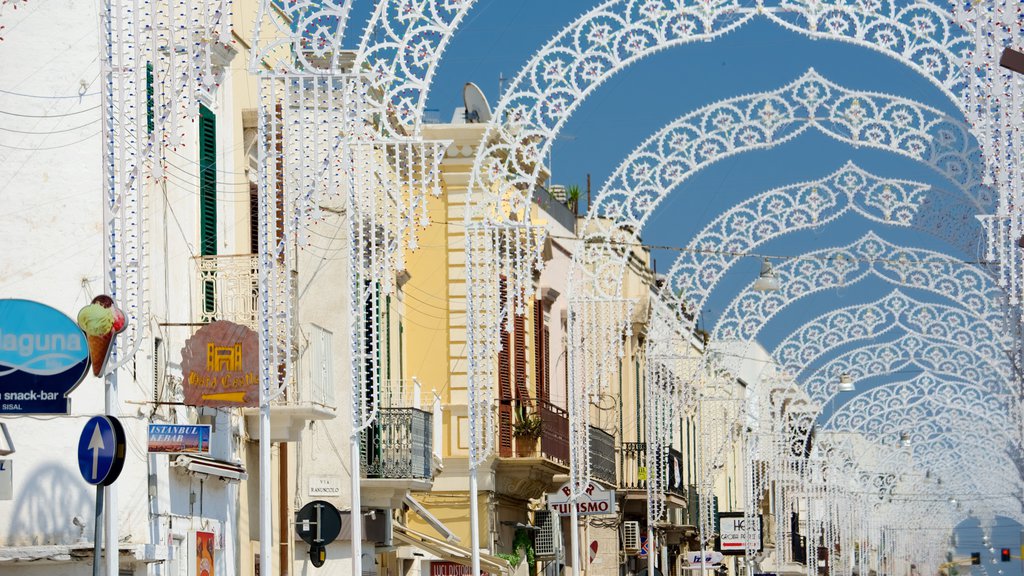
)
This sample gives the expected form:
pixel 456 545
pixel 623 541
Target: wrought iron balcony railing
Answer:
pixel 602 455
pixel 228 289
pixel 528 425
pixel 633 472
pixel 399 445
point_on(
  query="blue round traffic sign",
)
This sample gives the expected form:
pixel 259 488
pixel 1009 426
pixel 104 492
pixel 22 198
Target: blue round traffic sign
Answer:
pixel 101 450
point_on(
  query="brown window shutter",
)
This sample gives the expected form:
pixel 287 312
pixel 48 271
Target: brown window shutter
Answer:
pixel 504 384
pixel 538 347
pixel 522 385
pixel 546 354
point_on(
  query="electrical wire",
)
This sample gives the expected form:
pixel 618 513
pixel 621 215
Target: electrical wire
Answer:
pixel 89 137
pixel 96 107
pixel 836 258
pixel 79 96
pixel 87 124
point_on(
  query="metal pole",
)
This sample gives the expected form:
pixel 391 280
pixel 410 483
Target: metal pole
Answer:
pixel 109 287
pixel 575 534
pixel 97 533
pixel 698 494
pixel 110 518
pixel 357 506
pixel 264 503
pixel 474 523
pixel 664 560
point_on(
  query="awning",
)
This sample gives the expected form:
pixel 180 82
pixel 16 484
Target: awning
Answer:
pixel 228 471
pixel 449 551
pixel 431 519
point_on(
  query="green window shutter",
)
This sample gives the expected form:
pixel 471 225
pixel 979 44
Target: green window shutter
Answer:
pixel 208 197
pixel 207 182
pixel 149 97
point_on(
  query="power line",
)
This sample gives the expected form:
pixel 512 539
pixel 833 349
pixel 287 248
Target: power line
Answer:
pixel 87 124
pixel 96 107
pixel 90 136
pixel 79 96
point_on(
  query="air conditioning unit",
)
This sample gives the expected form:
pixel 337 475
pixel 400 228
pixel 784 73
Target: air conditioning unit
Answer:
pixel 631 536
pixel 545 543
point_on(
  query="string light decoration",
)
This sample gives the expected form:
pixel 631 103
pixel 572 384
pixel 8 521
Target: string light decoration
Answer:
pixel 321 141
pixel 617 33
pixel 543 96
pixel 893 313
pixel 400 48
pixel 926 270
pixel 814 205
pixel 926 410
pixel 993 100
pixel 501 260
pixel 670 394
pixel 159 60
pixel 597 328
pixel 908 353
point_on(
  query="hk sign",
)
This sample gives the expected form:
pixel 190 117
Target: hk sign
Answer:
pixel 593 501
pixel 738 534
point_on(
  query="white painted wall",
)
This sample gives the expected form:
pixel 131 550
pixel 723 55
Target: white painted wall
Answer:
pixel 51 233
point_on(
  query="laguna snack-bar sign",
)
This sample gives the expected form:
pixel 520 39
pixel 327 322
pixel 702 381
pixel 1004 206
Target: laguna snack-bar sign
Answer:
pixel 220 366
pixel 43 357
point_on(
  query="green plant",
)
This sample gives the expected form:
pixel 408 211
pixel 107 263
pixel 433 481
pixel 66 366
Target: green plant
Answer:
pixel 573 198
pixel 527 425
pixel 521 542
pixel 512 559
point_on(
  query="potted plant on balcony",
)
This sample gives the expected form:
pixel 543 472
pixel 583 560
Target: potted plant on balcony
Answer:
pixel 526 429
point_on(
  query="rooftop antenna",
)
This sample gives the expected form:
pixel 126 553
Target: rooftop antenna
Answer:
pixel 477 109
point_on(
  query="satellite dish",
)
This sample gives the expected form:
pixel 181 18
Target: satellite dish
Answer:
pixel 477 109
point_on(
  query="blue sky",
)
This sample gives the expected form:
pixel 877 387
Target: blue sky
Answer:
pixel 499 37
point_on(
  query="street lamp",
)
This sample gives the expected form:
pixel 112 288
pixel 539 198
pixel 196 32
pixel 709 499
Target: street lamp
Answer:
pixel 846 383
pixel 767 281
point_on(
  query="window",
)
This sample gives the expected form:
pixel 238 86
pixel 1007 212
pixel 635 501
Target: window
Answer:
pixel 208 199
pixel 322 366
pixel 150 124
pixel 541 358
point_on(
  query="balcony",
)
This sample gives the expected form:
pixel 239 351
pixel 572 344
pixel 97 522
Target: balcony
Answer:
pixel 533 447
pixel 551 441
pixel 396 453
pixel 602 456
pixel 633 469
pixel 399 444
pixel 229 290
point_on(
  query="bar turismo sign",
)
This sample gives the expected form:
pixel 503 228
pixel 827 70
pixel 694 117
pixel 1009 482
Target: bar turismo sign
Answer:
pixel 592 502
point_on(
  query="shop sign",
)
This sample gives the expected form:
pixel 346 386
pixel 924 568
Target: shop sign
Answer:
pixel 220 366
pixel 592 502
pixel 446 568
pixel 43 357
pixel 738 533
pixel 204 563
pixel 179 438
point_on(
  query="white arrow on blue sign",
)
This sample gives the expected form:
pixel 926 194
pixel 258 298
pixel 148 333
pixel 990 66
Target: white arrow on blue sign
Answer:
pixel 101 450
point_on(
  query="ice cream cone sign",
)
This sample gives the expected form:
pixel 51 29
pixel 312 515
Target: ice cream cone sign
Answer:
pixel 100 321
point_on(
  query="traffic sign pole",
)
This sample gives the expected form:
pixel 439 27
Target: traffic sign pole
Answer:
pixel 97 532
pixel 101 452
